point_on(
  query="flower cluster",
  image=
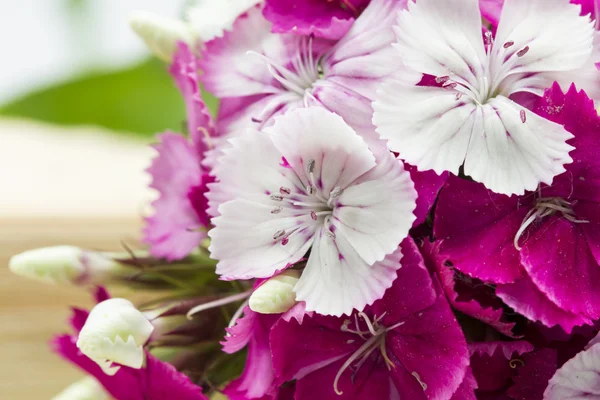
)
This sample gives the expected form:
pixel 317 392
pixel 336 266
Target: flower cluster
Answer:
pixel 396 199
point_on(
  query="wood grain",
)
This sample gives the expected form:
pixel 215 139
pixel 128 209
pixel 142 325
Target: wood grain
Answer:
pixel 31 312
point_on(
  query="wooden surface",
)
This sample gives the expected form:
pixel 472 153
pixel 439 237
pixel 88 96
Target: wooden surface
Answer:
pixel 31 312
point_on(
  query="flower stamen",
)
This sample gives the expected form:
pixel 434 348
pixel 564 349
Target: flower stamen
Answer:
pixel 545 207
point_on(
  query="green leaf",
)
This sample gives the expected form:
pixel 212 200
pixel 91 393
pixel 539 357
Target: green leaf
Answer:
pixel 142 100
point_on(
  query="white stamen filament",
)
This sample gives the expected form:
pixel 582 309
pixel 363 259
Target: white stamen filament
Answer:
pixel 304 70
pixel 218 303
pixel 545 207
pixel 376 341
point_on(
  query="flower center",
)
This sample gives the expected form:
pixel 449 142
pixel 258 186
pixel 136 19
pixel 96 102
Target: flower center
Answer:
pixel 494 80
pixel 299 75
pixel 545 207
pixel 313 204
pixel 374 338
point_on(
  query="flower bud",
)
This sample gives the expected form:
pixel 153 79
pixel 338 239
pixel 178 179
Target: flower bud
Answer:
pixel 65 264
pixel 86 388
pixel 275 295
pixel 161 34
pixel 115 331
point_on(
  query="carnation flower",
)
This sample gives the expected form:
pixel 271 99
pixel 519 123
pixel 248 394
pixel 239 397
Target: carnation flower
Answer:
pixel 542 248
pixel 467 116
pixel 310 182
pixel 407 344
pixel 273 73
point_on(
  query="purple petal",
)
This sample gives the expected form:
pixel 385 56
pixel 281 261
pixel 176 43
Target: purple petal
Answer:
pixel 77 318
pixel 577 113
pixel 185 72
pixel 372 381
pixel 253 330
pixel 525 298
pixel 429 345
pixel 477 228
pixel 412 290
pixel 491 10
pixel 428 185
pixel 466 390
pixel 491 363
pixel 464 296
pixel 176 227
pixel 560 264
pixel 294 356
pixel 326 19
pixel 156 381
pixel 532 377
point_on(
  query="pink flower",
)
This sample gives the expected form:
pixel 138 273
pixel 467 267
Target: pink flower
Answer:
pixel 156 381
pixel 407 345
pixel 468 118
pixel 310 182
pixel 541 249
pixel 322 18
pixel 179 223
pixel 252 330
pixel 273 73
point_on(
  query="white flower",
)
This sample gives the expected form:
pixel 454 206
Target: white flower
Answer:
pixel 310 182
pixel 275 295
pixel 64 264
pixel 470 119
pixel 86 388
pixel 115 331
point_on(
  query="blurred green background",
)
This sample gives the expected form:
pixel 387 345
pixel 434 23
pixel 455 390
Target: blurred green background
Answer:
pixel 115 83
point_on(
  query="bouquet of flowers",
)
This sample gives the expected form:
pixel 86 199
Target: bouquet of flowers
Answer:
pixel 396 199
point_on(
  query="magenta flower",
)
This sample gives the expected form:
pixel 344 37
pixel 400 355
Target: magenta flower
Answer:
pixel 542 249
pixel 157 380
pixel 278 72
pixel 531 378
pixel 467 295
pixel 323 18
pixel 407 345
pixel 494 364
pixel 180 222
pixel 256 382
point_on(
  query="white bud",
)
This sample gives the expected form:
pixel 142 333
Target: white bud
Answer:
pixel 86 388
pixel 63 264
pixel 115 331
pixel 275 295
pixel 161 34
